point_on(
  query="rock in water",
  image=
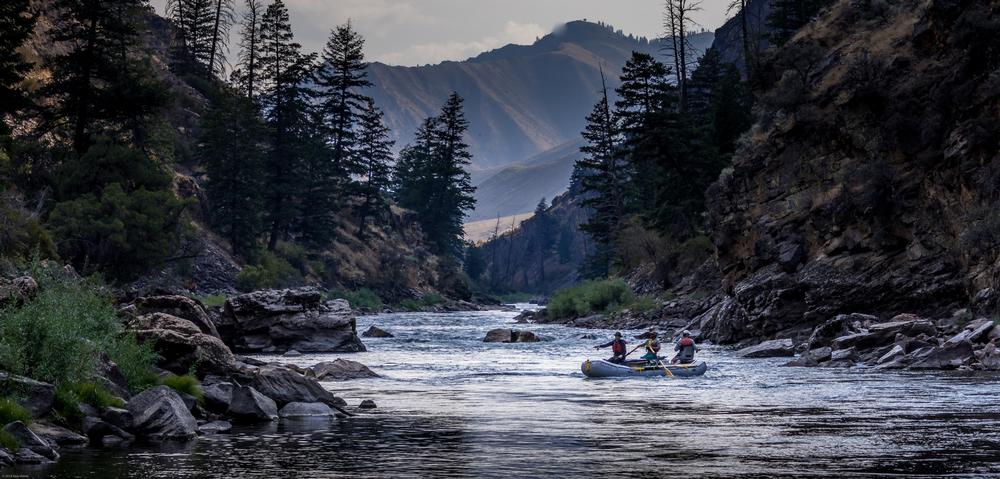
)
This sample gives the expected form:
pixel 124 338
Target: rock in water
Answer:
pixel 284 386
pixel 30 440
pixel 376 332
pixel 510 336
pixel 275 321
pixel 218 396
pixel 250 405
pixel 215 427
pixel 292 354
pixel 367 404
pixel 342 370
pixel 774 348
pixel 301 409
pixel 160 414
pixel 57 435
pixel 181 344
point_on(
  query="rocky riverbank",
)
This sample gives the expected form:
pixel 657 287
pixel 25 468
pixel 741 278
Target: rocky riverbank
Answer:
pixel 189 339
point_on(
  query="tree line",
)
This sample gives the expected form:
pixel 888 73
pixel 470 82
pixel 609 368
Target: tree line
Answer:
pixel 289 144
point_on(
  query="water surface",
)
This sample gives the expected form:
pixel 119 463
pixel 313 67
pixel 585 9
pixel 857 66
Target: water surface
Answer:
pixel 450 405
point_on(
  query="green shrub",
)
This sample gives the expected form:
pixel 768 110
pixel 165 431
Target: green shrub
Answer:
pixel 11 411
pixel 135 360
pixel 213 301
pixel 419 304
pixel 363 298
pixel 93 394
pixel 591 297
pixel 58 337
pixel 186 384
pixel 9 442
pixel 66 406
pixel 271 271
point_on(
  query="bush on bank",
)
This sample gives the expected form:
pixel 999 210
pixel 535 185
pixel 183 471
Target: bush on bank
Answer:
pixel 591 297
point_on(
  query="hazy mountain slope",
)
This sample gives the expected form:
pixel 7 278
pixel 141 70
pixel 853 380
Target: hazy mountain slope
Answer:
pixel 517 188
pixel 520 100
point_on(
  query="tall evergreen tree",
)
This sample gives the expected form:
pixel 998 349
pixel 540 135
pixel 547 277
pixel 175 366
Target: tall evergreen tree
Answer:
pixel 433 180
pixel 233 154
pixel 374 152
pixel 283 74
pixel 340 76
pixel 222 20
pixel 602 177
pixel 16 24
pixel 195 21
pixel 248 68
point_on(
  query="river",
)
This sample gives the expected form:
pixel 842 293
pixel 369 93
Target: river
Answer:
pixel 452 406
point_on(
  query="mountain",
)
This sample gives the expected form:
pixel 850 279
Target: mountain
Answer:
pixel 517 188
pixel 521 100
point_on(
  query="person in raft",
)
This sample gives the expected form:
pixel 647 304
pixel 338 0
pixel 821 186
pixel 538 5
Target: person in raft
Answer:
pixel 685 348
pixel 652 347
pixel 617 349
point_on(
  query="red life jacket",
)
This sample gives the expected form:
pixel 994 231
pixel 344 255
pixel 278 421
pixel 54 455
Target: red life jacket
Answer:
pixel 687 342
pixel 618 347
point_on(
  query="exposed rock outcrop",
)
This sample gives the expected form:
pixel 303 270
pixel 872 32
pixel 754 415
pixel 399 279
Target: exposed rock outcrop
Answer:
pixel 276 321
pixel 179 306
pixel 182 345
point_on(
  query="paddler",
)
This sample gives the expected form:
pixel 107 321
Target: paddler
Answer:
pixel 617 349
pixel 685 348
pixel 652 346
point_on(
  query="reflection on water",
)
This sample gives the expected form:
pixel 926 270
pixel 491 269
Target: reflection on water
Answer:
pixel 450 405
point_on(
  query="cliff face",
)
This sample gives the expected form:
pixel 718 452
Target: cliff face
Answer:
pixel 871 182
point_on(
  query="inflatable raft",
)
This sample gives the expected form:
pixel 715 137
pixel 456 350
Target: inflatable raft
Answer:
pixel 604 369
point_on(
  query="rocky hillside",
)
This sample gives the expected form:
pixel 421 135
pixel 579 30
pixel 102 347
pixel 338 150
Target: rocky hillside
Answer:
pixel 870 182
pixel 520 100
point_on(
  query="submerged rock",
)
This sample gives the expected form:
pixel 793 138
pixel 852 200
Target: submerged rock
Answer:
pixel 300 409
pixel 342 370
pixel 376 332
pixel 275 321
pixel 160 414
pixel 774 348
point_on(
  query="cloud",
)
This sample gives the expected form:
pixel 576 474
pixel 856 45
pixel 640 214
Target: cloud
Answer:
pixel 424 53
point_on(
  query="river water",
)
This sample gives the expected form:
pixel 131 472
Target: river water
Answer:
pixel 452 406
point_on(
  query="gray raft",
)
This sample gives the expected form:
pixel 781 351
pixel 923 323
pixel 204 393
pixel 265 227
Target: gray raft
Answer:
pixel 600 368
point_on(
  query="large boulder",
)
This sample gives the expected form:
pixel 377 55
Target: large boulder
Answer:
pixel 341 370
pixel 57 435
pixel 774 348
pixel 248 404
pixel 35 396
pixel 302 409
pixel 30 440
pixel 218 396
pixel 160 414
pixel 182 345
pixel 951 355
pixel 179 306
pixel 510 336
pixel 276 321
pixel 285 385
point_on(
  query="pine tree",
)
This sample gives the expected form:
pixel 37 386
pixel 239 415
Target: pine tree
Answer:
pixel 374 154
pixel 318 217
pixel 99 86
pixel 248 69
pixel 16 25
pixel 543 237
pixel 340 76
pixel 233 154
pixel 222 20
pixel 603 178
pixel 195 20
pixel 474 264
pixel 432 178
pixel 283 72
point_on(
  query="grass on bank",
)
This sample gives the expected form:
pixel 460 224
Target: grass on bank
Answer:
pixel 597 297
pixel 11 411
pixel 9 442
pixel 58 337
pixel 419 304
pixel 69 397
pixel 363 298
pixel 186 384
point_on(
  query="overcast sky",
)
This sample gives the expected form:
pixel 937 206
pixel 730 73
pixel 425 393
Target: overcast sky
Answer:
pixel 416 32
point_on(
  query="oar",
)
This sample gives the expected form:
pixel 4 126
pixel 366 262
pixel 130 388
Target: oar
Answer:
pixel 632 351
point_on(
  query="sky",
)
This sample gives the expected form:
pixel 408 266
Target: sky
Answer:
pixel 418 32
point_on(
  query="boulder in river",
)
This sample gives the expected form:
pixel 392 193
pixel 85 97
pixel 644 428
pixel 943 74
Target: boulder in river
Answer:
pixel 291 353
pixel 376 332
pixel 302 409
pixel 160 414
pixel 30 440
pixel 774 348
pixel 275 321
pixel 285 385
pixel 510 336
pixel 367 404
pixel 218 396
pixel 57 435
pixel 215 427
pixel 182 345
pixel 342 370
pixel 248 404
